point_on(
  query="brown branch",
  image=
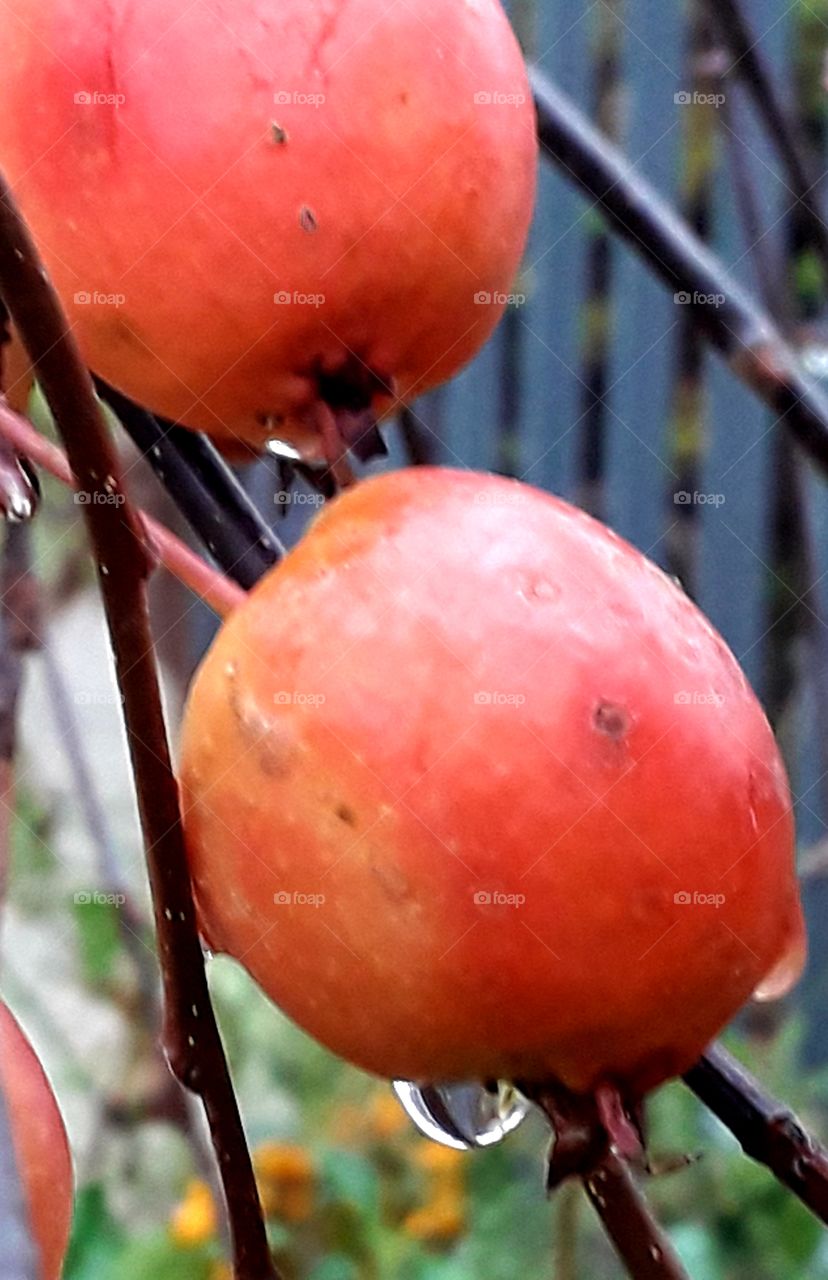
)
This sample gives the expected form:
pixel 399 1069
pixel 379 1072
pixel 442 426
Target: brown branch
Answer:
pixel 739 328
pixel 124 559
pixel 768 1131
pixel 752 67
pixel 218 591
pixel 628 1222
pixel 584 1148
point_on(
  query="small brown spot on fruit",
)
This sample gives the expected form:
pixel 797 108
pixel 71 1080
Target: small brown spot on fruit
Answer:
pixel 612 720
pixel 307 219
pixel 392 880
pixel 278 134
pixel 346 814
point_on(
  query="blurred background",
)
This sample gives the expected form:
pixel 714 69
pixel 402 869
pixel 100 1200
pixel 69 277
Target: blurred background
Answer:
pixel 597 388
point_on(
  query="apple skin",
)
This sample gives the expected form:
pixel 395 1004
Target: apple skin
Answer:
pixel 217 181
pixel 503 748
pixel 41 1146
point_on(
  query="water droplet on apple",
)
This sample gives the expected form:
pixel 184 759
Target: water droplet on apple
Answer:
pixel 282 449
pixel 778 981
pixel 462 1116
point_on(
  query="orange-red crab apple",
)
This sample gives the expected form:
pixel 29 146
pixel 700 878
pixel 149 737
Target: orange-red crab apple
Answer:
pixel 254 209
pixel 474 791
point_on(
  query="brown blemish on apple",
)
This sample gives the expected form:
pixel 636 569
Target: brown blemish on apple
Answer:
pixel 346 814
pixel 273 747
pixel 307 219
pixel 392 881
pixel 612 720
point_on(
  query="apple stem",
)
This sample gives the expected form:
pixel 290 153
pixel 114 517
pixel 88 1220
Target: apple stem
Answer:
pixel 124 560
pixel 585 1128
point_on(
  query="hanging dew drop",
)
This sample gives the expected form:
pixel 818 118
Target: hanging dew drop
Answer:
pixel 785 973
pixel 462 1116
pixel 282 450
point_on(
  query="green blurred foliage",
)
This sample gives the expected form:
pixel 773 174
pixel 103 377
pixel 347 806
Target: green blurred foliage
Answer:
pixel 367 1185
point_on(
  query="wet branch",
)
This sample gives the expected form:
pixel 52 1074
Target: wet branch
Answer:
pixel 738 326
pixel 218 591
pixel 203 488
pixel 124 560
pixel 751 66
pixel 583 1148
pixel 768 1131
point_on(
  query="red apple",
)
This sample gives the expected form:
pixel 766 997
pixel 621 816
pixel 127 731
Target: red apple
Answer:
pixel 42 1151
pixel 251 208
pixel 474 790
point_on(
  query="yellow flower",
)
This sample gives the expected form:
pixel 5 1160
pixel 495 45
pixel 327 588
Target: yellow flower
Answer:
pixel 285 1176
pixel 441 1162
pixel 194 1221
pixel 443 1217
pixel 438 1223
pixel 386 1117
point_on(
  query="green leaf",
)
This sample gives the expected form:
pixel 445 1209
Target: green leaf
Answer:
pixel 96 1239
pixel 97 922
pixel 158 1258
pixel 335 1267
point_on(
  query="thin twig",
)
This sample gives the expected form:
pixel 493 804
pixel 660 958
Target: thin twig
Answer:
pixel 214 588
pixel 734 323
pixel 566 1232
pixel 768 1131
pixel 131 921
pixel 647 1253
pixel 123 559
pixel 752 67
pixel 204 489
pixel 764 254
pixel 584 1148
